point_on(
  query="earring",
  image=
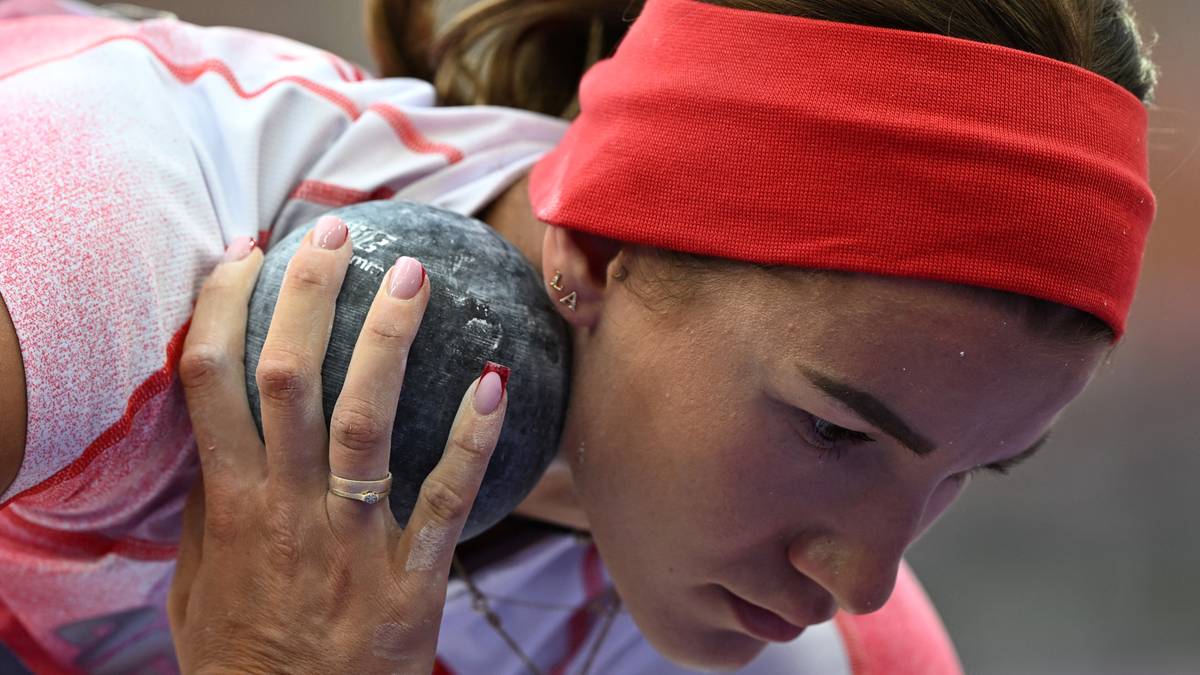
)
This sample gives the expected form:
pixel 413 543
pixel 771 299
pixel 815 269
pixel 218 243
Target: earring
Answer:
pixel 568 299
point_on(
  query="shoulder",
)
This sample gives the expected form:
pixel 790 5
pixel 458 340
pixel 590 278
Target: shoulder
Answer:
pixel 12 401
pixel 905 637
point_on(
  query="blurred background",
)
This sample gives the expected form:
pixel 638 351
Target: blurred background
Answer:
pixel 1086 560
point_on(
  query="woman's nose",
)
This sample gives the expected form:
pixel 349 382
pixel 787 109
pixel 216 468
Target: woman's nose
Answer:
pixel 860 577
pixel 858 560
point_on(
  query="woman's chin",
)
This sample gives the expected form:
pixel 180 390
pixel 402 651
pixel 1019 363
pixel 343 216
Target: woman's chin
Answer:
pixel 713 651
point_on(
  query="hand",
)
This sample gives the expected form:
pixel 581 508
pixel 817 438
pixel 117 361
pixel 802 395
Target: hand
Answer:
pixel 275 572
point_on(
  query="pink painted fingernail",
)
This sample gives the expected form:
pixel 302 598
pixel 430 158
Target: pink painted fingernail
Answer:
pixel 330 233
pixel 408 275
pixel 492 385
pixel 239 248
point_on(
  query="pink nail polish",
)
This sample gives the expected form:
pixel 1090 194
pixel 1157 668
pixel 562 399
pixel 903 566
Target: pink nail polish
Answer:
pixel 330 233
pixel 239 248
pixel 490 390
pixel 408 275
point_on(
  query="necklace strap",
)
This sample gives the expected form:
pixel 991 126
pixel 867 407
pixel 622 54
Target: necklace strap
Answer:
pixel 481 603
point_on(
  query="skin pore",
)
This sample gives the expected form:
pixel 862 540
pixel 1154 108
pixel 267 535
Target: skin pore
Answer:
pixel 709 450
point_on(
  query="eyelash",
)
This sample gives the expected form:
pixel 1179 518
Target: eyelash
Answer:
pixel 849 438
pixel 836 446
pixel 999 469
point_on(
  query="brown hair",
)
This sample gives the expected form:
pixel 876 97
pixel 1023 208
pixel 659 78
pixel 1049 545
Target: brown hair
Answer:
pixel 532 55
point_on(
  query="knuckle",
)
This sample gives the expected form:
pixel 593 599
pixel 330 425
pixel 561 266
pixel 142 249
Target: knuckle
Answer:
pixel 203 364
pixel 308 275
pixel 394 332
pixel 446 503
pixel 473 443
pixel 359 425
pixel 283 377
pixel 477 441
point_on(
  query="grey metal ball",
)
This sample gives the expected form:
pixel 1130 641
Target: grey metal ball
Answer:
pixel 486 303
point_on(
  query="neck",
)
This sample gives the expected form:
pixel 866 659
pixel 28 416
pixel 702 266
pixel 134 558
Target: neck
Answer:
pixel 553 499
pixel 511 216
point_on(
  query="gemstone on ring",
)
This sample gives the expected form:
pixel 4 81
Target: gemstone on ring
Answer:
pixel 365 491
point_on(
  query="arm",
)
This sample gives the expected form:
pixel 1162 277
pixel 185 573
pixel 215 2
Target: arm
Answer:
pixel 12 401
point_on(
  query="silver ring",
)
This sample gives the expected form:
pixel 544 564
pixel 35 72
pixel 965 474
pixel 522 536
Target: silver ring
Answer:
pixel 368 491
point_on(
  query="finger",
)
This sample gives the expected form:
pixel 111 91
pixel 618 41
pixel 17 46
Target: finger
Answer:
pixel 427 543
pixel 289 367
pixel 191 550
pixel 360 430
pixel 212 370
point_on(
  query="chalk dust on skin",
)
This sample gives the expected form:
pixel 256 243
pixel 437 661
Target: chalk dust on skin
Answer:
pixel 427 547
pixel 486 432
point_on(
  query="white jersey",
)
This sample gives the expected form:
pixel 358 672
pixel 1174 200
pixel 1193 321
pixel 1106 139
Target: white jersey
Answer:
pixel 133 153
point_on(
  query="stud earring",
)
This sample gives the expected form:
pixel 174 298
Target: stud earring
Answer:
pixel 568 299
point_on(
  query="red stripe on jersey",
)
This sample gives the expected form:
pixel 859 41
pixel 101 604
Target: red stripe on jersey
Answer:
pixel 341 69
pixel 584 617
pixel 190 72
pixel 21 643
pixel 47 543
pixel 148 389
pixel 593 575
pixel 440 668
pixel 410 136
pixel 329 194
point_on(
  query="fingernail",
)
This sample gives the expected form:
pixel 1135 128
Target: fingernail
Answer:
pixel 331 233
pixel 491 388
pixel 239 248
pixel 408 275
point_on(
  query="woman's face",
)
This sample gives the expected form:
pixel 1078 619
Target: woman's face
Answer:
pixel 781 441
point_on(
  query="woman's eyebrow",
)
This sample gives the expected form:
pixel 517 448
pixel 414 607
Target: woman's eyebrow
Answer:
pixel 872 410
pixel 876 413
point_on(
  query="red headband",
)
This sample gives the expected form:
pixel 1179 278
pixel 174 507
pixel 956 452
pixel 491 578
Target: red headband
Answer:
pixel 785 140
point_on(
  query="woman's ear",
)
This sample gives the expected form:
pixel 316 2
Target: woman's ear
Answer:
pixel 575 268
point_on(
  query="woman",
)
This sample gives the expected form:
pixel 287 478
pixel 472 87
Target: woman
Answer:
pixel 789 431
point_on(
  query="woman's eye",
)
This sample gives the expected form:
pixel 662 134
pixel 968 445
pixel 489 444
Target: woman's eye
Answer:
pixel 825 435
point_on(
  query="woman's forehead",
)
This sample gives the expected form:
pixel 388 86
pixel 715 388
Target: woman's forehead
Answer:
pixel 895 334
pixel 835 306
